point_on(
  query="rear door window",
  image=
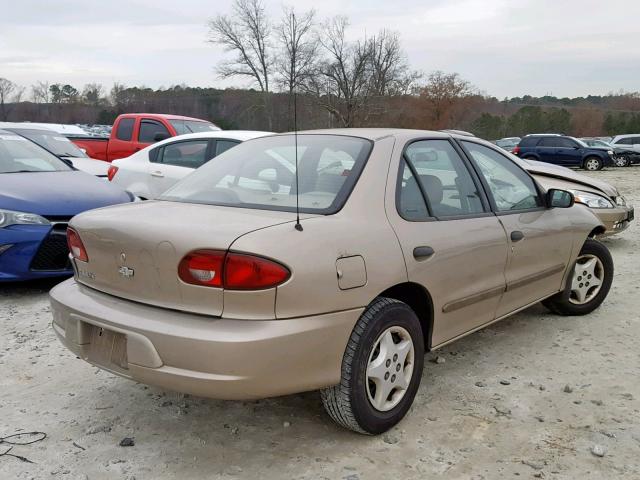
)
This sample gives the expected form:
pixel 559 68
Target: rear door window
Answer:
pixel 224 145
pixel 434 170
pixel 125 129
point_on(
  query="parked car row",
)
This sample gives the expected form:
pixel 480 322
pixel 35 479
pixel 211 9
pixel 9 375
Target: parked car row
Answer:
pixel 586 153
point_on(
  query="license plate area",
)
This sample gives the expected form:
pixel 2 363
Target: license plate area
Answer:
pixel 108 349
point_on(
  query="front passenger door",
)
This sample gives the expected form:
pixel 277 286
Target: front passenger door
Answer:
pixel 540 238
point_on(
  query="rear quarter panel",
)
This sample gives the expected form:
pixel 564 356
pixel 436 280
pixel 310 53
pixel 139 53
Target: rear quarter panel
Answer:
pixel 360 228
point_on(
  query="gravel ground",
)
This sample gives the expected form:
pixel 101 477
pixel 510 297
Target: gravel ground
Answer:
pixel 534 396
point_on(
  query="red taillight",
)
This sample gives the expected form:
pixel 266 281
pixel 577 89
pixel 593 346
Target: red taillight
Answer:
pixel 248 272
pixel 112 172
pixel 75 245
pixel 232 271
pixel 516 150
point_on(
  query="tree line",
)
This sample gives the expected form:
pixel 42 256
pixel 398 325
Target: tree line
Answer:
pixel 337 81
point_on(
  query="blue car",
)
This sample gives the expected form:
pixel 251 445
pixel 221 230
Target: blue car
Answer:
pixel 39 193
pixel 563 150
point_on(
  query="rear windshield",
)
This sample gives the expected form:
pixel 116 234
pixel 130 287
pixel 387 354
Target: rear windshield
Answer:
pixel 192 126
pixel 53 141
pixel 260 174
pixel 17 154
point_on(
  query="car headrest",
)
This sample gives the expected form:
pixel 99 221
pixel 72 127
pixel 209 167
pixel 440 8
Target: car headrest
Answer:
pixel 428 156
pixel 433 188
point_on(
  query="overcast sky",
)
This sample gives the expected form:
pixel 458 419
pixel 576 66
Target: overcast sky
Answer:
pixel 504 47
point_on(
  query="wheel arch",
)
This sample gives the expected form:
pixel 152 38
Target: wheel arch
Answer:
pixel 599 230
pixel 420 301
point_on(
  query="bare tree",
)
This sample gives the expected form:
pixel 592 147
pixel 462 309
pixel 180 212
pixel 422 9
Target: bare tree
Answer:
pixel 246 33
pixel 442 91
pixel 92 94
pixel 341 84
pixel 10 94
pixel 299 48
pixel 390 73
pixel 40 92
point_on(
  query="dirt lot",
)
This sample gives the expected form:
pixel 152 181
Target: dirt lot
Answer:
pixel 532 396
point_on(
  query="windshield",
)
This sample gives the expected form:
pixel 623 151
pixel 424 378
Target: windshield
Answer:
pixel 52 141
pixel 260 174
pixel 581 143
pixel 17 154
pixel 192 126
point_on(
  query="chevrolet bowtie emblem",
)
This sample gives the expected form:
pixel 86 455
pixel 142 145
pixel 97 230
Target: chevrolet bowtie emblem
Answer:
pixel 126 272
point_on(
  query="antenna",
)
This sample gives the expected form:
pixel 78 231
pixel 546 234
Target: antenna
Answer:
pixel 298 226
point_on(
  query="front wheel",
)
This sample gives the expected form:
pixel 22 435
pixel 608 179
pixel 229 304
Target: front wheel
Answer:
pixel 588 283
pixel 593 163
pixel 622 161
pixel 381 369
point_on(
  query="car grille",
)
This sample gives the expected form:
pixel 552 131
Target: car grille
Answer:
pixel 53 253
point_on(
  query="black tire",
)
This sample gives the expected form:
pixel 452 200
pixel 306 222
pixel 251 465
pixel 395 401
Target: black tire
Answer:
pixel 561 303
pixel 592 160
pixel 529 157
pixel 348 403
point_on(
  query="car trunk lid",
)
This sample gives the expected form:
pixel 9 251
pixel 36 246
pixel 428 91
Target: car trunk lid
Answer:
pixel 134 250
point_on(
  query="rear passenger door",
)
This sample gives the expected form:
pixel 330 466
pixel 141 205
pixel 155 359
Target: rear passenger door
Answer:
pixel 539 238
pixel 452 244
pixel 173 161
pixel 560 151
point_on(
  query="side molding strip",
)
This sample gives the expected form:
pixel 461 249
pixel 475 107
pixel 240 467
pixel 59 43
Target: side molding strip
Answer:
pixel 521 282
pixel 478 297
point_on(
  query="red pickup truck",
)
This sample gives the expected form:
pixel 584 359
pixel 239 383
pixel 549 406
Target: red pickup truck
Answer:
pixel 134 131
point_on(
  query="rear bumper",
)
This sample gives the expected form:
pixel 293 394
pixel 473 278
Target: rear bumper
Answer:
pixel 615 219
pixel 206 356
pixel 19 245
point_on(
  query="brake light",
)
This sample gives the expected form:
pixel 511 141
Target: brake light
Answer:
pixel 112 172
pixel 516 150
pixel 75 245
pixel 232 271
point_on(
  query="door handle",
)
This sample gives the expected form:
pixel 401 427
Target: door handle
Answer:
pixel 422 253
pixel 516 236
pixel 157 173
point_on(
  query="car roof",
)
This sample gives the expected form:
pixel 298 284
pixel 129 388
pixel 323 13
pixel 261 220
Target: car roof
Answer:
pixel 49 127
pixel 377 133
pixel 230 134
pixel 166 116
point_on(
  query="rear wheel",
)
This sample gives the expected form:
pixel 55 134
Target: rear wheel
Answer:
pixel 381 369
pixel 593 164
pixel 622 161
pixel 588 284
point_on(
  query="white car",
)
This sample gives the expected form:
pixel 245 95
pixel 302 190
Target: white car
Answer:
pixel 630 141
pixel 54 140
pixel 152 170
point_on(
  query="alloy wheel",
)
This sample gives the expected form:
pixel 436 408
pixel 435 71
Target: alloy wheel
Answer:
pixel 390 368
pixel 621 161
pixel 588 277
pixel 592 164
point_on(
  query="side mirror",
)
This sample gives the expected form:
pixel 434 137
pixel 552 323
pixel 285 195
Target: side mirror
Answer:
pixel 559 198
pixel 160 136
